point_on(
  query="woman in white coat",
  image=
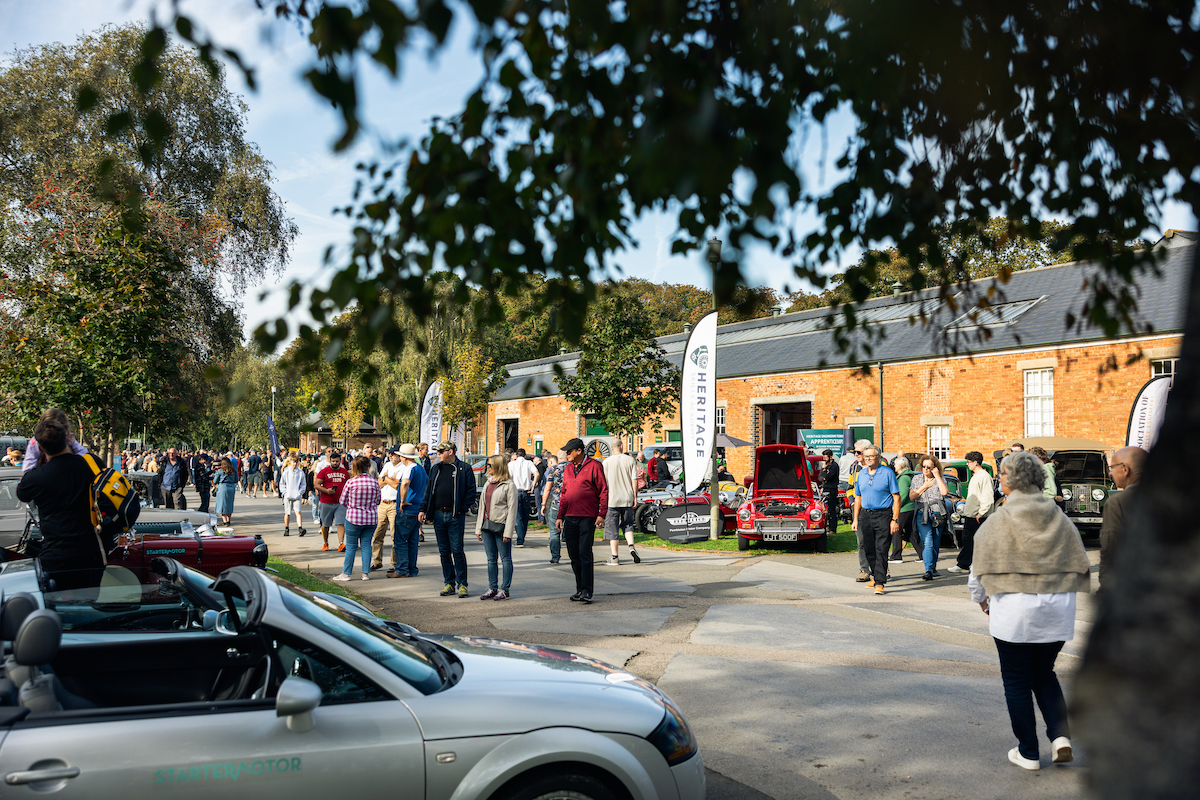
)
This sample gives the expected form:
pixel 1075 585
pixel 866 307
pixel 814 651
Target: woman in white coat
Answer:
pixel 495 526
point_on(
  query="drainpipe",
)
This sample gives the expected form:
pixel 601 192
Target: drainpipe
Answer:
pixel 879 369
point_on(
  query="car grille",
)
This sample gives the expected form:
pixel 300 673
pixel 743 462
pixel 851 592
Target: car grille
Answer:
pixel 1082 501
pixel 780 524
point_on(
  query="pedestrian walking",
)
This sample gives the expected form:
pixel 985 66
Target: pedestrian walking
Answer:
pixel 330 481
pixel 360 498
pixel 523 474
pixel 927 491
pixel 173 475
pixel 449 495
pixel 904 478
pixel 876 513
pixel 254 476
pixel 979 503
pixel 409 495
pixel 389 485
pixel 292 486
pixel 550 497
pixel 864 567
pixel 202 480
pixel 269 472
pixel 620 472
pixel 227 483
pixel 1029 563
pixel 496 526
pixel 1126 467
pixel 582 506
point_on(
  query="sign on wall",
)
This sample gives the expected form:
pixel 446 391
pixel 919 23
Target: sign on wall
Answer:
pixel 431 416
pixel 824 439
pixel 1149 408
pixel 698 400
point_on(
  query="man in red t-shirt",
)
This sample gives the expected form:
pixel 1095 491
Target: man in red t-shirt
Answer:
pixel 329 481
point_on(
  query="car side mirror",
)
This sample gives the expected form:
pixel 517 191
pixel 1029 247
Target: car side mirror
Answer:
pixel 221 623
pixel 209 622
pixel 296 699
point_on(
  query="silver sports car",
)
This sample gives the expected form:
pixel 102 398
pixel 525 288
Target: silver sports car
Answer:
pixel 289 695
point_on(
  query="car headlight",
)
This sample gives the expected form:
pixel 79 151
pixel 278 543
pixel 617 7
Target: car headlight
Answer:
pixel 816 513
pixel 1066 494
pixel 744 513
pixel 1098 494
pixel 673 737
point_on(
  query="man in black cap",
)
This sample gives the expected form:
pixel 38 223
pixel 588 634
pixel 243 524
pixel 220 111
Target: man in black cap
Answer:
pixel 449 495
pixel 581 507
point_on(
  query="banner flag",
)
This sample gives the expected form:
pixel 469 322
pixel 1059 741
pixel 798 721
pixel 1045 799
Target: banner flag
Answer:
pixel 431 416
pixel 698 400
pixel 1149 408
pixel 272 435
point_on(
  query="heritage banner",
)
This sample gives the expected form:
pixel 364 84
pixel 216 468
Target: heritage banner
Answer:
pixel 1148 410
pixel 431 416
pixel 698 400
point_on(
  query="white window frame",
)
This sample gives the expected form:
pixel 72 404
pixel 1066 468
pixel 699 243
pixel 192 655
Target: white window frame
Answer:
pixel 1038 391
pixel 937 437
pixel 1164 366
pixel 719 419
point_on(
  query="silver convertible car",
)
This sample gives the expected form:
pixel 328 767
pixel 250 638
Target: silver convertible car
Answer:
pixel 290 695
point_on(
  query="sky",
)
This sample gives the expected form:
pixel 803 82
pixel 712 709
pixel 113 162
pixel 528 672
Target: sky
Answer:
pixel 294 130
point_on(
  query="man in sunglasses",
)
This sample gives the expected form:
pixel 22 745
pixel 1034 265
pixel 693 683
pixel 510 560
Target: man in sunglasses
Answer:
pixel 1125 466
pixel 876 513
pixel 864 568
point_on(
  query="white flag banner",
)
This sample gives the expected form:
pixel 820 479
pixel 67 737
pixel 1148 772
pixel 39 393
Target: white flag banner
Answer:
pixel 459 436
pixel 698 400
pixel 1149 407
pixel 431 416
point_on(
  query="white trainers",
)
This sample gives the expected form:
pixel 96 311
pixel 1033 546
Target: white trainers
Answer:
pixel 1021 761
pixel 366 577
pixel 613 562
pixel 957 568
pixel 342 578
pixel 1061 748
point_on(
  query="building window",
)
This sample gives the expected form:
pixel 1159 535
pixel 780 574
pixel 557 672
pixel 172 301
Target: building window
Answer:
pixel 1039 402
pixel 1164 366
pixel 720 420
pixel 939 441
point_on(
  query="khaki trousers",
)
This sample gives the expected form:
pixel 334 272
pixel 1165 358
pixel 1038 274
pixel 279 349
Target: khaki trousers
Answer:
pixel 387 522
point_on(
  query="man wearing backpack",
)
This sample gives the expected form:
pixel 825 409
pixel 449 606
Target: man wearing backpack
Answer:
pixel 72 555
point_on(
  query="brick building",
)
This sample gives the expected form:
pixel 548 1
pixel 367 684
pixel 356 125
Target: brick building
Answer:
pixel 959 383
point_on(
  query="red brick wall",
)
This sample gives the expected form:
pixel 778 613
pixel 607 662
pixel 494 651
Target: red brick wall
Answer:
pixel 982 399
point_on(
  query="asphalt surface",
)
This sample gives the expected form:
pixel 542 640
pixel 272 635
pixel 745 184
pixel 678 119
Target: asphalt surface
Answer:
pixel 799 682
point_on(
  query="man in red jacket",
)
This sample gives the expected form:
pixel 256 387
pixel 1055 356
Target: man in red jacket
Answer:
pixel 581 507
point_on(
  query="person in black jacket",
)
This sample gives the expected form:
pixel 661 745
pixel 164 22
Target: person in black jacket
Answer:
pixel 202 480
pixel 830 476
pixel 449 495
pixel 72 554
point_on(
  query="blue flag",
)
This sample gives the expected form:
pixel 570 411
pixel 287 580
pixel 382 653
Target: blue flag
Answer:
pixel 271 433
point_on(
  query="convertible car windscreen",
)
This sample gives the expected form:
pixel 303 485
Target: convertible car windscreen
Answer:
pixel 1080 466
pixel 400 657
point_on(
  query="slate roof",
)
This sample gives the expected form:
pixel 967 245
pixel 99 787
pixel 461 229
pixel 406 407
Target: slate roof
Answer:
pixel 1028 312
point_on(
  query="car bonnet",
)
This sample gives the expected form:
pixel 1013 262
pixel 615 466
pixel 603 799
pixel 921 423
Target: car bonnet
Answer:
pixel 511 687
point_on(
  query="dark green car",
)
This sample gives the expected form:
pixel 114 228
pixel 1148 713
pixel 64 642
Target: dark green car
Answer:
pixel 1084 483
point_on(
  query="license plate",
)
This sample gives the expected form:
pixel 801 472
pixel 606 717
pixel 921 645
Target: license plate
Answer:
pixel 779 537
pixel 1089 520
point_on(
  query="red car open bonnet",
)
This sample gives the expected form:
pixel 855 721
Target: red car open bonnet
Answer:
pixel 781 469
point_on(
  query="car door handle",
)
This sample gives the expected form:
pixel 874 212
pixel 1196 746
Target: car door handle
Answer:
pixel 39 775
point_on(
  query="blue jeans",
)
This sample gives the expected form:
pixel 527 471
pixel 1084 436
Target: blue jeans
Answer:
pixel 931 541
pixel 496 548
pixel 522 517
pixel 315 501
pixel 1029 669
pixel 358 537
pixel 555 537
pixel 448 528
pixel 404 544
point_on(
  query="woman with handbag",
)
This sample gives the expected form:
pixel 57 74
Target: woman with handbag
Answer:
pixel 927 489
pixel 495 527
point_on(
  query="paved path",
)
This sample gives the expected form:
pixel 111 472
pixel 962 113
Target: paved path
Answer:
pixel 799 682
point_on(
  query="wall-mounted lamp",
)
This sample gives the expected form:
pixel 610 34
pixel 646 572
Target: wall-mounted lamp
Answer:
pixel 833 414
pixel 858 409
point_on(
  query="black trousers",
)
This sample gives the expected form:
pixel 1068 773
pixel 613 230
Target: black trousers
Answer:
pixel 903 534
pixel 579 533
pixel 205 491
pixel 831 513
pixel 967 551
pixel 875 525
pixel 175 498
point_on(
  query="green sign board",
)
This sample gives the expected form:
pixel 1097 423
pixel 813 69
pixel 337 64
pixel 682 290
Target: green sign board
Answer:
pixel 825 439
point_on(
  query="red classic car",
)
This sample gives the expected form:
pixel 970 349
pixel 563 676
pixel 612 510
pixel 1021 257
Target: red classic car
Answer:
pixel 190 537
pixel 783 504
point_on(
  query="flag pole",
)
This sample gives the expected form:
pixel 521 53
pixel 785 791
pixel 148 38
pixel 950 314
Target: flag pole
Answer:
pixel 714 485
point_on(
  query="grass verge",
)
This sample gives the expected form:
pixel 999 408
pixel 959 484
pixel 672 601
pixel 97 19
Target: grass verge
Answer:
pixel 307 580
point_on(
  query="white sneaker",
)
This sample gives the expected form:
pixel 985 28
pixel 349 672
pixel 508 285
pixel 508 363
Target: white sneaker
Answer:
pixel 613 562
pixel 341 578
pixel 957 568
pixel 1062 750
pixel 1021 761
pixel 366 577
pixel 895 560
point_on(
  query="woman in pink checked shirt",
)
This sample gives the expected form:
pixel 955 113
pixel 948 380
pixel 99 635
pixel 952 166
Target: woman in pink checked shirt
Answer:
pixel 361 498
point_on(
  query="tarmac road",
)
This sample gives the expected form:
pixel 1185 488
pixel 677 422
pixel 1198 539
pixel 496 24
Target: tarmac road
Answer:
pixel 799 682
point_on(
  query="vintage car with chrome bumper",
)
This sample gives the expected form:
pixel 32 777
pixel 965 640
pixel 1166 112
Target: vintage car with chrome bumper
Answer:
pixel 782 504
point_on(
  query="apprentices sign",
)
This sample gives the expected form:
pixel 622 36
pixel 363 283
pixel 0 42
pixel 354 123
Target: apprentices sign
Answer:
pixel 698 400
pixel 825 439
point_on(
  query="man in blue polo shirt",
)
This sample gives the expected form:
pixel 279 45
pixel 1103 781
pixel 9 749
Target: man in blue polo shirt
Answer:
pixel 876 513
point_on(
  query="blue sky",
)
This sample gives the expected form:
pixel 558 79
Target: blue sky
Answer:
pixel 294 130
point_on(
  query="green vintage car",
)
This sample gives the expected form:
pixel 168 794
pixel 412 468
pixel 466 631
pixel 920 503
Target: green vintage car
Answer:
pixel 1081 470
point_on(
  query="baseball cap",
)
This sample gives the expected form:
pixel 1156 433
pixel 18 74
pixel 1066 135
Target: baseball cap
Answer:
pixel 443 446
pixel 573 444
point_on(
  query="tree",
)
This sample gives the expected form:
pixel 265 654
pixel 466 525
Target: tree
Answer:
pixel 249 378
pixel 473 380
pixel 623 377
pixel 347 418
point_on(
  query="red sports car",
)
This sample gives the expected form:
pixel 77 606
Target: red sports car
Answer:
pixel 783 503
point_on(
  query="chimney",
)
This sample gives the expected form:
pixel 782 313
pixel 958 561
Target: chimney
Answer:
pixel 776 311
pixel 896 287
pixel 687 327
